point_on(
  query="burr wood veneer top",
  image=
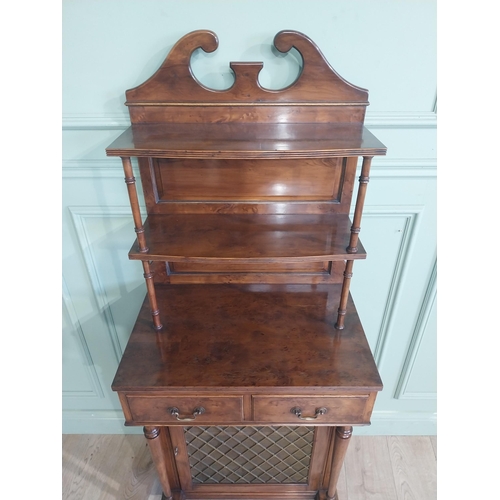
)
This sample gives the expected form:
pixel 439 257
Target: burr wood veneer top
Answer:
pixel 245 337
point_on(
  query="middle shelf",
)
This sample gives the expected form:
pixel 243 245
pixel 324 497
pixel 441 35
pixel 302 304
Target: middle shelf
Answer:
pixel 254 239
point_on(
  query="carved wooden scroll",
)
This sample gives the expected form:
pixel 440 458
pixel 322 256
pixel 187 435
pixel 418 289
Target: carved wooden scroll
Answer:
pixel 319 94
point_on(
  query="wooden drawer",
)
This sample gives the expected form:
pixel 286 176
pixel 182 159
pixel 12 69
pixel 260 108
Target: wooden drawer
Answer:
pixel 336 410
pixel 159 409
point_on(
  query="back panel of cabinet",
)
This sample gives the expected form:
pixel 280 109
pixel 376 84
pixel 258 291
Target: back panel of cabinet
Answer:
pixel 309 185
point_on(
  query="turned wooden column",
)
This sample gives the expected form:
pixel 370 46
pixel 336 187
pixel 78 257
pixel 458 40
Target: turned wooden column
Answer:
pixel 155 312
pixel 353 242
pixel 342 437
pixel 344 295
pixel 360 201
pixel 158 452
pixel 134 203
pixel 139 229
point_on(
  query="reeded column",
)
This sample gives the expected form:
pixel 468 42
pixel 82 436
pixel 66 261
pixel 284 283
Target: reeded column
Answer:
pixel 153 435
pixel 353 241
pixel 342 437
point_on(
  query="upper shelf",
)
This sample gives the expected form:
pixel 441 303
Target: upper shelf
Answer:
pixel 246 140
pixel 247 238
pixel 320 115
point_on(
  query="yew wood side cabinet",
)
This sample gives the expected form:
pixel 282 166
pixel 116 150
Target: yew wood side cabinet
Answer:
pixel 247 365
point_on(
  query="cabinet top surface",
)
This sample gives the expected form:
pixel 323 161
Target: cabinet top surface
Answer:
pixel 248 337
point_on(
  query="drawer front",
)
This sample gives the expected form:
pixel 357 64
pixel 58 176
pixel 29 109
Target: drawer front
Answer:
pixel 185 410
pixel 331 410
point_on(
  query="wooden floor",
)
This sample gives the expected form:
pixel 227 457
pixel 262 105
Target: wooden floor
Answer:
pixel 117 467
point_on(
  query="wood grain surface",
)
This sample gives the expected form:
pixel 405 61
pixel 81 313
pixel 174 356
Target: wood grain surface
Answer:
pixel 415 461
pixel 174 81
pixel 101 467
pixel 246 238
pixel 117 467
pixel 246 141
pixel 252 339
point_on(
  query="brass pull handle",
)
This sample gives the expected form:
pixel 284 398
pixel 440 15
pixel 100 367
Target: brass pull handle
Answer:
pixel 199 410
pixel 298 412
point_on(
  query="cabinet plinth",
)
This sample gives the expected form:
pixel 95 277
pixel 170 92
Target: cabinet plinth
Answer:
pixel 248 365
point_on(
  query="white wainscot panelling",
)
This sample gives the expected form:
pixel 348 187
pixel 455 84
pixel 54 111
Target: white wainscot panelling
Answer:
pixel 419 374
pixel 86 137
pixel 413 141
pixel 105 236
pixel 79 377
pixel 387 235
pixel 103 294
pixel 396 301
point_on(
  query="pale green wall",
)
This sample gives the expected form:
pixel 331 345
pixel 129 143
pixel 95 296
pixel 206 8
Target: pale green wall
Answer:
pixel 387 47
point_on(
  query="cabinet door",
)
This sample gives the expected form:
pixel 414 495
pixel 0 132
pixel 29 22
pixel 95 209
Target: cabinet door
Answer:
pixel 241 461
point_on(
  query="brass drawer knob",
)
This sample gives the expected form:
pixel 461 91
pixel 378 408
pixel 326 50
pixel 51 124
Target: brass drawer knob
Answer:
pixel 174 411
pixel 298 412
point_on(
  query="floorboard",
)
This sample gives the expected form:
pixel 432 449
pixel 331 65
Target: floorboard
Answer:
pixel 369 469
pixel 414 467
pixel 117 467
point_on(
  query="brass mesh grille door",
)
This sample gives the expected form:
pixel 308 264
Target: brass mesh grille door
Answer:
pixel 249 455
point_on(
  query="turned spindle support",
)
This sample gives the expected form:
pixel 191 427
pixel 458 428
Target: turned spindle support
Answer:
pixel 353 242
pixel 364 178
pixel 139 229
pixel 341 442
pixel 155 312
pixel 158 453
pixel 134 203
pixel 344 295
